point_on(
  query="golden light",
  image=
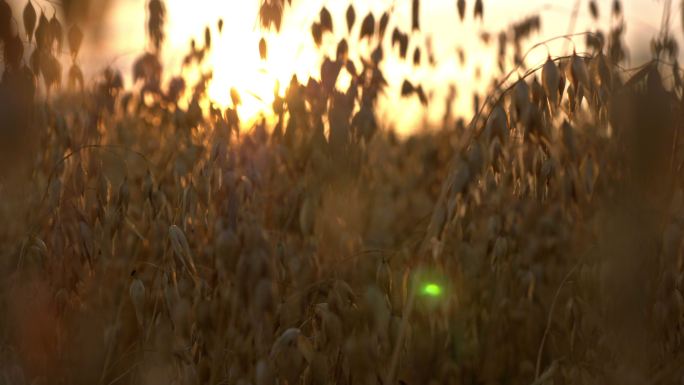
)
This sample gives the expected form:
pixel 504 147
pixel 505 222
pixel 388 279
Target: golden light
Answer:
pixel 234 57
pixel 235 61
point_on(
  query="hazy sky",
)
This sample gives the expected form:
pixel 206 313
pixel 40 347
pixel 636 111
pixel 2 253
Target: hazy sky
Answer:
pixel 235 57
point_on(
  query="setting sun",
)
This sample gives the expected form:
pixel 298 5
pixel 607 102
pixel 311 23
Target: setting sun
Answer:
pixel 235 58
pixel 235 62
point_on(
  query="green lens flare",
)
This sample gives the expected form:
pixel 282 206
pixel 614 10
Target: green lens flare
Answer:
pixel 432 289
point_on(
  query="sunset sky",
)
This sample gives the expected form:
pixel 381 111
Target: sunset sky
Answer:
pixel 236 63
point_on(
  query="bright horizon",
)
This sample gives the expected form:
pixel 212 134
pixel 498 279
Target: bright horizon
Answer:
pixel 236 63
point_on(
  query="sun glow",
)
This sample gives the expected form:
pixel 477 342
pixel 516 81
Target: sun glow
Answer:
pixel 234 56
pixel 235 61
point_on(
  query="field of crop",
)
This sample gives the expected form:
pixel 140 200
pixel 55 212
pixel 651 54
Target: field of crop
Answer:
pixel 150 237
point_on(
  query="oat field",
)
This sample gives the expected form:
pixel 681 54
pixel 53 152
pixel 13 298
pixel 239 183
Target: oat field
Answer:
pixel 149 236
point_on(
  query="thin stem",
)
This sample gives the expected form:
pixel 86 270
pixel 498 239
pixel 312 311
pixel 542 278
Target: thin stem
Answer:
pixel 573 22
pixel 549 318
pixel 391 373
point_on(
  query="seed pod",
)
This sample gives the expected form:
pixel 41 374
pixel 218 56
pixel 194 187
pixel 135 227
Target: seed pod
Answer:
pixel 317 33
pixel 235 97
pixel 30 18
pixel 407 88
pixel 220 25
pixel 75 37
pixel 350 17
pixel 5 20
pixel 415 15
pixel 416 56
pixel 51 70
pixel 181 248
pixel 475 158
pixel 561 84
pixel 39 245
pixel 384 21
pixel 56 32
pixel 602 70
pixel 421 95
pixel 367 26
pixel 207 38
pixel 617 9
pixel 377 55
pixel 285 353
pixel 460 4
pixel 136 290
pixel 351 68
pixel 479 10
pixel 330 70
pixel 42 32
pixel 550 82
pixel 342 51
pixel 569 139
pixel 326 20
pixel 332 325
pixel 593 9
pixel 341 297
pixel 579 72
pixel 521 92
pixel 33 251
pixel 521 100
pixel 396 36
pixel 263 52
pixel 497 124
pixel 403 45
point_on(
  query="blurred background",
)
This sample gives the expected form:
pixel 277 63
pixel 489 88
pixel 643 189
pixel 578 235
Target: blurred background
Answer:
pixel 116 36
